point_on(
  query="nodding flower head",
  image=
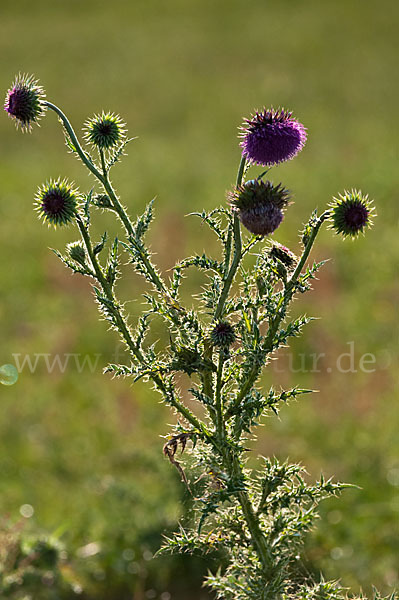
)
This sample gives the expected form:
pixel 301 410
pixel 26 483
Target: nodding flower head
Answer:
pixel 351 213
pixel 222 335
pixel 284 255
pixel 259 205
pixel 105 131
pixel 271 136
pixel 25 101
pixel 56 202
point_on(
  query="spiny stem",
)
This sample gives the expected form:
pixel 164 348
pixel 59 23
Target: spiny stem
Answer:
pixel 124 331
pixel 237 251
pixel 122 214
pixel 83 156
pixel 280 311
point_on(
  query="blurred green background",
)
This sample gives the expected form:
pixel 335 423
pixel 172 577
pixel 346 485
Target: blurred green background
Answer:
pixel 80 454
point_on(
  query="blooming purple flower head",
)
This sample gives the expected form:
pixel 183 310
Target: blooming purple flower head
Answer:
pixel 351 213
pixel 56 202
pixel 259 205
pixel 24 101
pixel 271 136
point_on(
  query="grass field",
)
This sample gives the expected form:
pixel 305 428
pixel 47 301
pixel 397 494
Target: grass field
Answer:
pixel 84 450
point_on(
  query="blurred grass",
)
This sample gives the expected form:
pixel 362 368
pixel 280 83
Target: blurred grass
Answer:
pixel 183 75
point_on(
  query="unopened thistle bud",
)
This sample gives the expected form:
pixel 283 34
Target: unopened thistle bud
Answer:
pixel 259 205
pixel 105 131
pixel 102 201
pixel 271 136
pixel 56 202
pixel 351 213
pixel 222 335
pixel 77 252
pixel 24 101
pixel 284 255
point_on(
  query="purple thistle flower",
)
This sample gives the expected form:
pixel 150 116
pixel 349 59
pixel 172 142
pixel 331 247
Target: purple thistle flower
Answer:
pixel 56 202
pixel 24 101
pixel 351 213
pixel 259 205
pixel 272 136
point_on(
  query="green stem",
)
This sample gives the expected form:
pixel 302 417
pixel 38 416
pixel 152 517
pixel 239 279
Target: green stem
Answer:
pixel 218 396
pixel 126 335
pixel 280 312
pixel 83 156
pixel 258 538
pixel 237 251
pixel 123 216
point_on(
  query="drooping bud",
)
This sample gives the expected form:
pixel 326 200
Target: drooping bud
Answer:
pixel 24 101
pixel 259 205
pixel 56 202
pixel 351 213
pixel 222 335
pixel 271 136
pixel 284 255
pixel 105 131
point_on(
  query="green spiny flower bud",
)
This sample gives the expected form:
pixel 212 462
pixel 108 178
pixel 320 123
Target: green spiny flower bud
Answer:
pixel 102 201
pixel 77 252
pixel 56 202
pixel 222 335
pixel 351 213
pixel 105 131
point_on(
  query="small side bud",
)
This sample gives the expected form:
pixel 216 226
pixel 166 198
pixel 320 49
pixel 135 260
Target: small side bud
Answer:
pixel 222 335
pixel 280 253
pixel 102 201
pixel 77 253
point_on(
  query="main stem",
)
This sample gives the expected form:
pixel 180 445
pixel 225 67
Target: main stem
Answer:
pixel 237 251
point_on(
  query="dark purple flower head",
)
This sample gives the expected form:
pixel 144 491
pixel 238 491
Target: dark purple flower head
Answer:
pixel 271 136
pixel 24 101
pixel 259 205
pixel 222 335
pixel 351 213
pixel 56 202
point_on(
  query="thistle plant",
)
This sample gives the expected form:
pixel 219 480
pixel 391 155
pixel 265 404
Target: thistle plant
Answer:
pixel 256 517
